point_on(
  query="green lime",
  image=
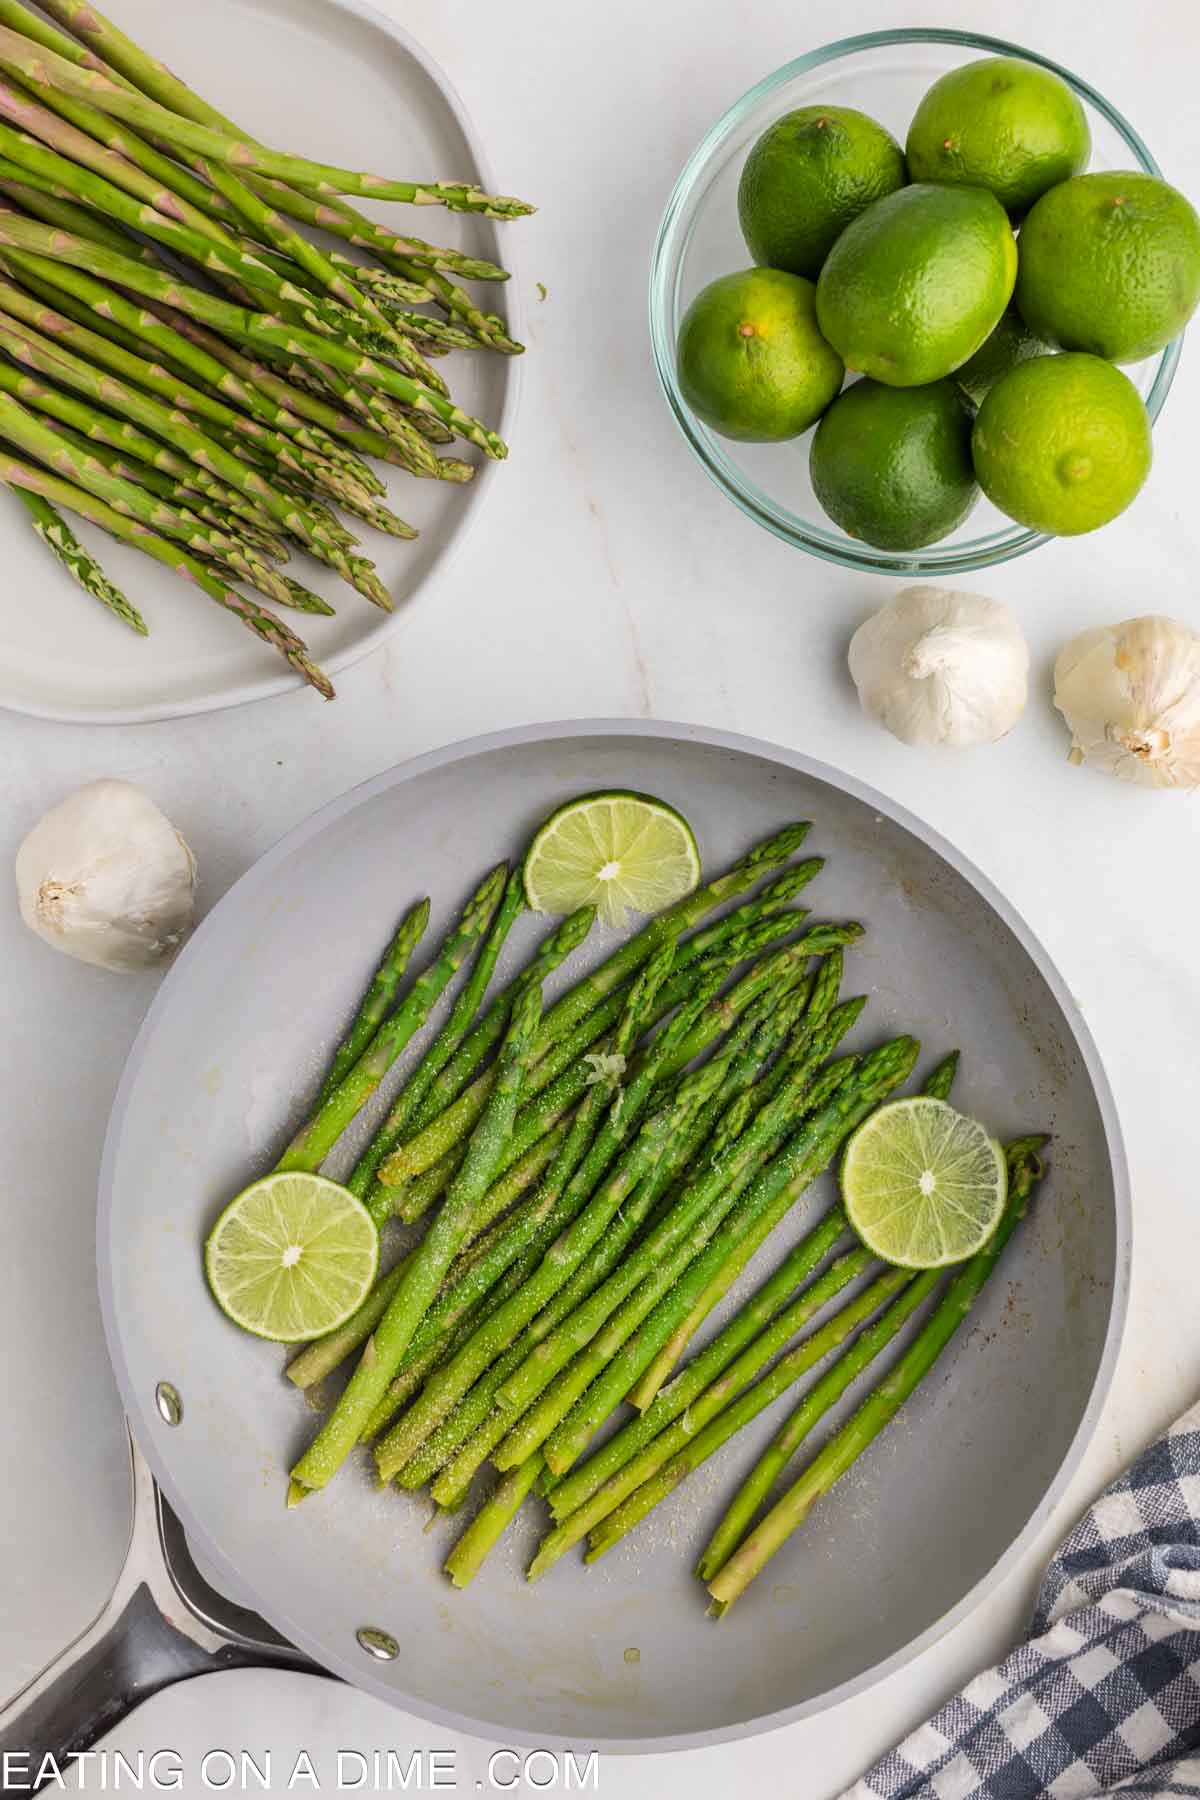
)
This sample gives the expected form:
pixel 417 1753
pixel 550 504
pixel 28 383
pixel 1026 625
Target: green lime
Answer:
pixel 752 362
pixel 917 283
pixel 808 175
pixel 923 1185
pixel 1062 444
pixel 292 1257
pixel 612 851
pixel 1011 343
pixel 892 466
pixel 1000 124
pixel 1110 264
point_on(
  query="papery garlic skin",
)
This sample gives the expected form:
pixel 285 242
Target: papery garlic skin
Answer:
pixel 105 877
pixel 938 666
pixel 1131 696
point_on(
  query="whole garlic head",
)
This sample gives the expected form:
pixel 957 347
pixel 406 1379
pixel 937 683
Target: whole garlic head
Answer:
pixel 1131 696
pixel 937 666
pixel 105 877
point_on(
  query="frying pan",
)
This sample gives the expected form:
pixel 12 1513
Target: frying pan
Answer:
pixel 619 1657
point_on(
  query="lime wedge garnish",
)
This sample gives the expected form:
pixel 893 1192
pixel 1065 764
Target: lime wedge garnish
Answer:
pixel 614 851
pixel 923 1185
pixel 292 1257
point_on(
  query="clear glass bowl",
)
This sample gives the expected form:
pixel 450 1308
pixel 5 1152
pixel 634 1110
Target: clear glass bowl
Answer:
pixel 884 74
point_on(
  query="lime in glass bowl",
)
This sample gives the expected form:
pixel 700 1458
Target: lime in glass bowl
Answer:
pixel 884 74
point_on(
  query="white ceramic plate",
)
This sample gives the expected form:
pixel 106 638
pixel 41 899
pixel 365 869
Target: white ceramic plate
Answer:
pixel 338 80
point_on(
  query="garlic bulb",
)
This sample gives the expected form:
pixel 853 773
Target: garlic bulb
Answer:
pixel 941 667
pixel 1131 696
pixel 106 877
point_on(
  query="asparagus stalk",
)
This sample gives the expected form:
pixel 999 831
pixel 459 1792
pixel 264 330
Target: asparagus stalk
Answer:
pixel 667 1449
pixel 313 1142
pixel 881 1406
pixel 588 1147
pixel 95 424
pixel 16 473
pixel 79 563
pixel 27 432
pixel 29 346
pixel 769 1198
pixel 643 1392
pixel 466 1559
pixel 759 1329
pixel 601 1471
pixel 377 1001
pixel 453 1080
pixel 342 428
pixel 323 1355
pixel 705 1134
pixel 89 141
pixel 565 1040
pixel 423 1275
pixel 684 1456
pixel 409 1110
pixel 238 322
pixel 448 1385
pixel 107 328
pixel 589 1389
pixel 564 1072
pixel 44 68
pixel 728 1162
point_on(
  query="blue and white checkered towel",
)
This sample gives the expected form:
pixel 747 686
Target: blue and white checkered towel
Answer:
pixel 1104 1697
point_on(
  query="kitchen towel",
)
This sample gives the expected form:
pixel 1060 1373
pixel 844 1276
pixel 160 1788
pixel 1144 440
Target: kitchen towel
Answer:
pixel 1104 1696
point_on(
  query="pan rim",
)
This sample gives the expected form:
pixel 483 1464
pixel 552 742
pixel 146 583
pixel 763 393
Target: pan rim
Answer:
pixel 139 1410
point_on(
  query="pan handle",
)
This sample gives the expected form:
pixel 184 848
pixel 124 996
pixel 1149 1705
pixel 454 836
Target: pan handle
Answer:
pixel 161 1624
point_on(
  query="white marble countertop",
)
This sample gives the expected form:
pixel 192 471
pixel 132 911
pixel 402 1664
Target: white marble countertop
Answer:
pixel 607 578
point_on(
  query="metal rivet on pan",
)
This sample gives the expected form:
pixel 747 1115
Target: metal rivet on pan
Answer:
pixel 379 1644
pixel 169 1403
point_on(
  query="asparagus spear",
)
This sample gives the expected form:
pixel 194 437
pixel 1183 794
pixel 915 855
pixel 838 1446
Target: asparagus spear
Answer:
pixel 564 1073
pixel 313 1142
pixel 760 1328
pixel 218 257
pixel 79 563
pixel 44 68
pixel 410 1104
pixel 451 1382
pixel 298 446
pixel 772 1195
pixel 238 322
pixel 323 1355
pixel 377 1001
pixel 29 346
pixel 25 431
pixel 602 1472
pixel 588 1147
pixel 729 1159
pixel 705 1134
pixel 880 1407
pixel 565 1043
pixel 16 473
pixel 462 1015
pixel 588 1389
pixel 684 1456
pixel 642 1393
pixel 89 141
pixel 459 1071
pixel 423 1275
pixel 466 1559
pixel 668 1447
pixel 100 426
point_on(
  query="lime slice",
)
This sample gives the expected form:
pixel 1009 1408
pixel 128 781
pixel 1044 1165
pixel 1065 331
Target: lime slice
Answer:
pixel 923 1184
pixel 292 1257
pixel 612 851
